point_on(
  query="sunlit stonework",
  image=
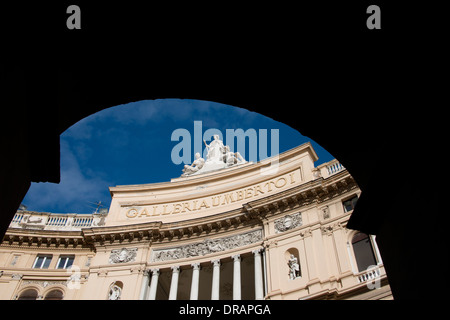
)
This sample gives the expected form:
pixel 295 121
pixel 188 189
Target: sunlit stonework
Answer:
pixel 225 229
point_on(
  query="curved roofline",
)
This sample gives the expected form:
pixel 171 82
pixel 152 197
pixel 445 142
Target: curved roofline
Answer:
pixel 219 174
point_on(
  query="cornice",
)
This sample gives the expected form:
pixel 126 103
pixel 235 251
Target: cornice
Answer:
pixel 312 192
pixel 159 232
pixel 34 239
pixel 250 214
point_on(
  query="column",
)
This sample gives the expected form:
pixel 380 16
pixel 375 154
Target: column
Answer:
pixel 153 284
pixel 264 271
pixel 215 280
pixel 236 277
pixel 195 280
pixel 174 283
pixel 144 287
pixel 259 295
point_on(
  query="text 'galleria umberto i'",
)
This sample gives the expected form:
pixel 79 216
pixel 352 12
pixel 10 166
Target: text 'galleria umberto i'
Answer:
pixel 225 229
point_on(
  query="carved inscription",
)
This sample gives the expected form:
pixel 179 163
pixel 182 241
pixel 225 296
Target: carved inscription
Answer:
pixel 201 204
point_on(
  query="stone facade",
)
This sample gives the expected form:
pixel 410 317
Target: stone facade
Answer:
pixel 241 232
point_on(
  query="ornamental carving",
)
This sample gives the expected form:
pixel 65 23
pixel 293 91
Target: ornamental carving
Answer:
pixel 43 283
pixel 122 255
pixel 207 246
pixel 288 222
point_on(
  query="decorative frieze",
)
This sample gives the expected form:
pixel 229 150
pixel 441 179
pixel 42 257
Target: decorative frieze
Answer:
pixel 288 222
pixel 207 246
pixel 43 283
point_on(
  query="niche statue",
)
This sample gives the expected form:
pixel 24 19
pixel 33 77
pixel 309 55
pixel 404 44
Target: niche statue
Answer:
pixel 294 268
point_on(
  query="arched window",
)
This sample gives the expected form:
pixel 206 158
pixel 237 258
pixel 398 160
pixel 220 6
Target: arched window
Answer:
pixel 54 295
pixel 364 251
pixel 29 294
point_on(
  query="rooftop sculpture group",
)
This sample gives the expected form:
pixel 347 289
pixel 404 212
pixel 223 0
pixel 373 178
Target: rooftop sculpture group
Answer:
pixel 219 156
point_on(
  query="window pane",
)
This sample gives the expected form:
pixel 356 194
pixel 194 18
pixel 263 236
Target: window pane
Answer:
pixel 347 206
pixel 364 254
pixel 354 200
pixel 65 262
pixel 47 262
pixel 61 263
pixel 69 262
pixel 350 204
pixel 38 262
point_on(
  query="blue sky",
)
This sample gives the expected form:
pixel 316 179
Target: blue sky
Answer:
pixel 132 144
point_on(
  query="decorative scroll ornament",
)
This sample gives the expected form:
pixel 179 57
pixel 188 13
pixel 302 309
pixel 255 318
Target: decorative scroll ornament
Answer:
pixel 288 222
pixel 122 255
pixel 207 246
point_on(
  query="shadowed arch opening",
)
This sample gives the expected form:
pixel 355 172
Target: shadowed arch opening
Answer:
pixel 55 294
pixel 28 294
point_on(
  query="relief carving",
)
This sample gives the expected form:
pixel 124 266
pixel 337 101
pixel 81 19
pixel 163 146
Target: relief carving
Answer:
pixel 207 246
pixel 288 222
pixel 122 255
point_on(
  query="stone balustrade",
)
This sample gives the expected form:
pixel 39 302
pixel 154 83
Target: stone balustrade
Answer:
pixel 328 169
pixel 56 221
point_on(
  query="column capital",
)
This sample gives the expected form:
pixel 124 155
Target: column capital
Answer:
pixel 257 251
pixel 154 271
pixel 216 262
pixel 175 269
pixel 236 257
pixel 196 265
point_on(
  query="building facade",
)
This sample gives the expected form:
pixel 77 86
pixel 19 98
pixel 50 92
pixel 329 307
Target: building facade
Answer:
pixel 275 229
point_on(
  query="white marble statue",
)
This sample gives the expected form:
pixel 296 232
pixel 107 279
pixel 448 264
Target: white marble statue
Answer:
pixel 232 158
pixel 215 149
pixel 195 166
pixel 294 268
pixel 218 157
pixel 114 292
pixel 229 157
